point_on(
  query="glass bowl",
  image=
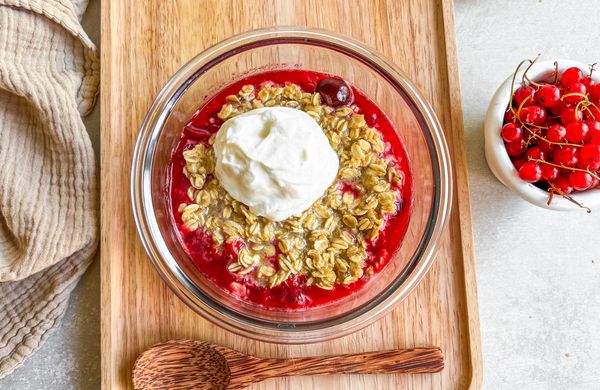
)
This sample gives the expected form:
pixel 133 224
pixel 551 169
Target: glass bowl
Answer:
pixel 292 48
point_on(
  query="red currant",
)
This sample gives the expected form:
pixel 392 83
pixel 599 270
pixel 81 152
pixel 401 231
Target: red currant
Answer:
pixel 595 139
pixel 533 114
pixel 541 116
pixel 518 162
pixel 534 130
pixel 549 172
pixel 594 125
pixel 581 181
pixel 588 82
pixel 546 147
pixel 577 132
pixel 515 149
pixel 566 155
pixel 595 91
pixel 594 129
pixel 574 93
pixel 511 132
pixel 525 95
pixel 335 92
pixel 509 117
pixel 530 171
pixel 558 108
pixel 589 155
pixel 556 133
pixel 548 95
pixel 591 166
pixel 571 76
pixel 563 184
pixel 535 153
pixel 570 114
pixel 592 112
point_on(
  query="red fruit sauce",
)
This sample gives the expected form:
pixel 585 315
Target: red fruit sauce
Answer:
pixel 293 294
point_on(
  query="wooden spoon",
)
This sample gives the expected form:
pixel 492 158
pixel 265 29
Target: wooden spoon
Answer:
pixel 190 364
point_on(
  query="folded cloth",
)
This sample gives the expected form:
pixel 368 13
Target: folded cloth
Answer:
pixel 49 75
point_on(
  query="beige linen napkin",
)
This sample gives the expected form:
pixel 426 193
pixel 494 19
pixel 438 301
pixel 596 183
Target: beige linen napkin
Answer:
pixel 49 76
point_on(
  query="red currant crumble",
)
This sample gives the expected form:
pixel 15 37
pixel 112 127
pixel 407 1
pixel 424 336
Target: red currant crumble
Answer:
pixel 327 252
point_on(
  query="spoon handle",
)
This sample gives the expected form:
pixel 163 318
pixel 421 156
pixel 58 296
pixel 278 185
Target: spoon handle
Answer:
pixel 414 360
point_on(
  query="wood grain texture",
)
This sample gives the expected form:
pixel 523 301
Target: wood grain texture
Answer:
pixel 144 43
pixel 193 364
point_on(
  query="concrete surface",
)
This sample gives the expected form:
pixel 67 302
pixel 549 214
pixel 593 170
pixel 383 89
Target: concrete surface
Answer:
pixel 538 271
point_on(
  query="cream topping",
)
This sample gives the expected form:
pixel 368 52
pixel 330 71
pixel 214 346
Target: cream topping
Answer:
pixel 275 160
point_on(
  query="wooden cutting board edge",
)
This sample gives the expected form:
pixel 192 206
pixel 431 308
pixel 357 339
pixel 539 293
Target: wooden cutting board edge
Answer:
pixel 464 197
pixel 461 180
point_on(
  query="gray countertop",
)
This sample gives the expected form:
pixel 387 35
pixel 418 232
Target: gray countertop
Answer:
pixel 538 271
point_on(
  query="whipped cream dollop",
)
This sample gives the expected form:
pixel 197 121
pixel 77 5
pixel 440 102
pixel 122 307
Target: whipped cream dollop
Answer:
pixel 275 160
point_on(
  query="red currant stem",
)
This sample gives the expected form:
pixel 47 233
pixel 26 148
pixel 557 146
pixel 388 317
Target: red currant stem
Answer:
pixel 536 85
pixel 583 103
pixel 565 167
pixel 523 103
pixel 531 82
pixel 512 84
pixel 534 125
pixel 566 95
pixel 555 72
pixel 523 124
pixel 566 196
pixel 535 135
pixel 531 62
pixel 590 103
pixel 531 136
pixel 551 196
pixel 587 108
pixel 592 68
pixel 532 133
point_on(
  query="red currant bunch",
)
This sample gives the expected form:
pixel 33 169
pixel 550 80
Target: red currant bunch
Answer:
pixel 552 131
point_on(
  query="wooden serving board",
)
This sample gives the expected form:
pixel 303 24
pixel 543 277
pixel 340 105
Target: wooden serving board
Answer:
pixel 143 44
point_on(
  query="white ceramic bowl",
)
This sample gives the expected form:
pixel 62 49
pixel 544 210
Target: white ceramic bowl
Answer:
pixel 495 152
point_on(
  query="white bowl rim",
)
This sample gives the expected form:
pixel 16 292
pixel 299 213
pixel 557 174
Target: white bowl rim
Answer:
pixel 498 159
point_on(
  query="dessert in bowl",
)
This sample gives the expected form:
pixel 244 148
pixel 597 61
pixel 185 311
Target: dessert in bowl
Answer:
pixel 290 185
pixel 287 198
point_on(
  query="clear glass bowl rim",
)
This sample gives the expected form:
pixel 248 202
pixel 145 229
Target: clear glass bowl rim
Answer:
pixel 180 283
